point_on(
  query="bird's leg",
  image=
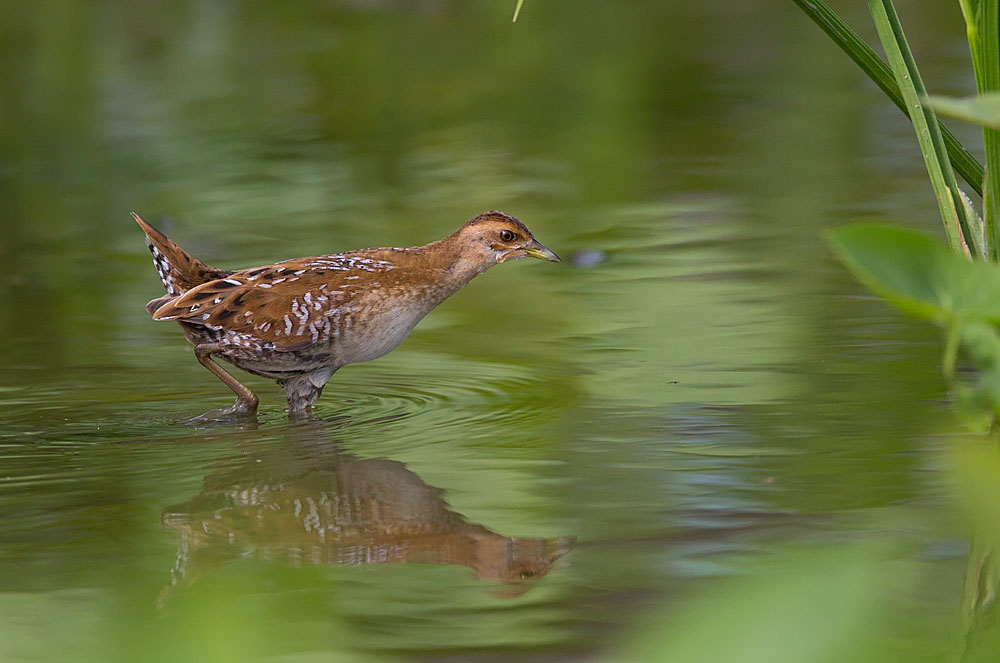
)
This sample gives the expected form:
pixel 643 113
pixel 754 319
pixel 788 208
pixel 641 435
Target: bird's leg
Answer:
pixel 303 390
pixel 246 401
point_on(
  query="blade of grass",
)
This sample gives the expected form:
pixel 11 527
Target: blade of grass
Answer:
pixel 988 80
pixel 866 59
pixel 517 10
pixel 975 221
pixel 972 34
pixel 956 223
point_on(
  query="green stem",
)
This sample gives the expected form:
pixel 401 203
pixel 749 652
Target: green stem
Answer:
pixel 972 34
pixel 904 67
pixel 517 10
pixel 988 80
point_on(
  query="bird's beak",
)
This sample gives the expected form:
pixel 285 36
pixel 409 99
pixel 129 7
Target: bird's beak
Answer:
pixel 537 250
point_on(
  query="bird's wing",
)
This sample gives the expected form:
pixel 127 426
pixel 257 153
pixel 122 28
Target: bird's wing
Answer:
pixel 287 307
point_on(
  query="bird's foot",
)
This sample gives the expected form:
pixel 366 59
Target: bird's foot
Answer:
pixel 302 414
pixel 240 411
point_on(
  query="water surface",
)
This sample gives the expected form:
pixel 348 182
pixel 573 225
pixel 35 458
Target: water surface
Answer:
pixel 559 451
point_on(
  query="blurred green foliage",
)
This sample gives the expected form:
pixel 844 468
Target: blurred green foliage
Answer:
pixel 925 279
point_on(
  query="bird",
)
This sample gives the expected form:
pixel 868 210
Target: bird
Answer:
pixel 299 321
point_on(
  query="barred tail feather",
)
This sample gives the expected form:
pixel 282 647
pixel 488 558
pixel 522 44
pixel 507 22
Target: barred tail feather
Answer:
pixel 178 270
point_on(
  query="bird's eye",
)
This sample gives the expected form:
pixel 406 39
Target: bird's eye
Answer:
pixel 506 235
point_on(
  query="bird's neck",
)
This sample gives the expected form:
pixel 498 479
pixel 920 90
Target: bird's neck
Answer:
pixel 455 262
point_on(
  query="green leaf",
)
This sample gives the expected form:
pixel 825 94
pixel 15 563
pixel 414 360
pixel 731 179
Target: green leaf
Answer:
pixel 981 109
pixel 919 274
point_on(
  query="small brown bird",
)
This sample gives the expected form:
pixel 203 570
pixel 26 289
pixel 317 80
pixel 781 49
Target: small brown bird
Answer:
pixel 300 320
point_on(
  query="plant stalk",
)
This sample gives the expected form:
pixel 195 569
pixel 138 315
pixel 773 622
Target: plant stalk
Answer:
pixel 956 222
pixel 988 80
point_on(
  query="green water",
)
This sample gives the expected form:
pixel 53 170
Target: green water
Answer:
pixel 561 457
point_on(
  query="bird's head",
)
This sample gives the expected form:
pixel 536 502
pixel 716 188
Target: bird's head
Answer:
pixel 499 237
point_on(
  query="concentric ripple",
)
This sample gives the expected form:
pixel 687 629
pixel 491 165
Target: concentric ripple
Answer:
pixel 447 396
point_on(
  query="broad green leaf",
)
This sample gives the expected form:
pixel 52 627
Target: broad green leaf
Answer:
pixel 981 109
pixel 919 274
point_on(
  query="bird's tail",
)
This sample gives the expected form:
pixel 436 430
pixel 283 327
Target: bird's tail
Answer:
pixel 178 270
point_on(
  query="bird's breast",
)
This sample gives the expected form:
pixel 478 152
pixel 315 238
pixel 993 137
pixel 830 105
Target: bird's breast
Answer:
pixel 382 320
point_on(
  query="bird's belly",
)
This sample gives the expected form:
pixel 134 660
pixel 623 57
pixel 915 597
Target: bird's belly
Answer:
pixel 365 340
pixel 283 365
pixel 366 330
pixel 358 341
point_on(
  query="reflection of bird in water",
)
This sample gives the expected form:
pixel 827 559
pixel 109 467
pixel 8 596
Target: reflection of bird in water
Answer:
pixel 311 504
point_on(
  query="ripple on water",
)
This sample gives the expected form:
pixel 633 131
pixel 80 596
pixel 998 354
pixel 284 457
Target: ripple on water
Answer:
pixel 450 396
pixel 465 423
pixel 439 389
